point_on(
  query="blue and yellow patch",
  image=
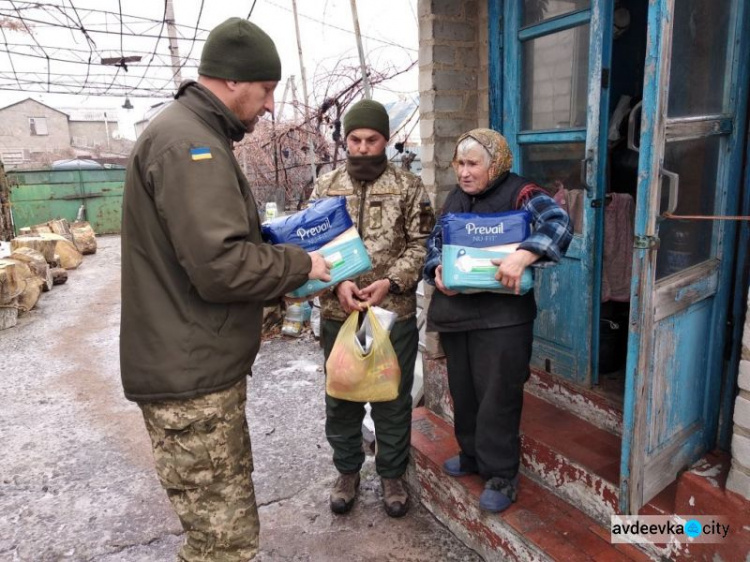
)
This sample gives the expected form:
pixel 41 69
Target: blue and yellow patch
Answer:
pixel 200 153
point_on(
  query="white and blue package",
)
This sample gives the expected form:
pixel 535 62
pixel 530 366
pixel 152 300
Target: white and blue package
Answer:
pixel 325 227
pixel 471 241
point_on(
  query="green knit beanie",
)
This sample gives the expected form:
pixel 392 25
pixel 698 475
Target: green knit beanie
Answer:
pixel 242 51
pixel 367 114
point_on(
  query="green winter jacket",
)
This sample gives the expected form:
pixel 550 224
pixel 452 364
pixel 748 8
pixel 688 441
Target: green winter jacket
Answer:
pixel 195 273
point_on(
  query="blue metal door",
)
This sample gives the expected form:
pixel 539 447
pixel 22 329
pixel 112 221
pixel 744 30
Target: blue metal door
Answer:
pixel 694 104
pixel 554 69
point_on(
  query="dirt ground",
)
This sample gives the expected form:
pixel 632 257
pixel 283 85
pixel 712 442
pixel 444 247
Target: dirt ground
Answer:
pixel 76 473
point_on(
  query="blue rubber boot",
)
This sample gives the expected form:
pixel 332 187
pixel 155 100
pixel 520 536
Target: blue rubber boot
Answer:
pixel 499 494
pixel 454 467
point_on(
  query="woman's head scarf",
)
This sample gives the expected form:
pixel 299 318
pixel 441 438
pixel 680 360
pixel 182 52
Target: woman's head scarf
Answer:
pixel 501 158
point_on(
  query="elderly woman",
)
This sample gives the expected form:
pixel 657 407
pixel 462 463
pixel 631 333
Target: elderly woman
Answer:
pixel 487 336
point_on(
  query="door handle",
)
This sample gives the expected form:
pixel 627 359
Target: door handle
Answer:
pixel 631 127
pixel 585 163
pixel 674 191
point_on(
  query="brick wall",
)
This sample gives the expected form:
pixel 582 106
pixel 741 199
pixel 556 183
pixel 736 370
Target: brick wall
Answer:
pixel 739 475
pixel 453 92
pixel 453 83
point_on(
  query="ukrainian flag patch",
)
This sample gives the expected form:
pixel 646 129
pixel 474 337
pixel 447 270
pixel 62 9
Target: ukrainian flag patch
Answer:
pixel 200 153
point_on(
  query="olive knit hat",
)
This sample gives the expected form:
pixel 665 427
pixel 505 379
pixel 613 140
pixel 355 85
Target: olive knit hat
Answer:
pixel 242 51
pixel 367 114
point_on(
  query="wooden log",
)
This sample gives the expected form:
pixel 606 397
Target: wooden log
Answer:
pixel 8 315
pixel 44 246
pixel 41 229
pixel 59 275
pixel 61 227
pixel 84 237
pixel 10 286
pixel 29 283
pixel 70 257
pixel 35 260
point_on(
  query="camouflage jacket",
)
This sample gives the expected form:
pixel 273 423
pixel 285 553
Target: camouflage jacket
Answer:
pixel 394 225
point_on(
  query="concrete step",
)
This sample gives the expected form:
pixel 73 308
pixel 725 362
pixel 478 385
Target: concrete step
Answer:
pixel 539 526
pixel 598 410
pixel 578 461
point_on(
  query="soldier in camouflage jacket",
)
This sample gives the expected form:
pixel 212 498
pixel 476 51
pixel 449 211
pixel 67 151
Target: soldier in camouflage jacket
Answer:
pixel 387 204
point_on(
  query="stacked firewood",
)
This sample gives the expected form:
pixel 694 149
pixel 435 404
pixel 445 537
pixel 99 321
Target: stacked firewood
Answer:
pixel 40 258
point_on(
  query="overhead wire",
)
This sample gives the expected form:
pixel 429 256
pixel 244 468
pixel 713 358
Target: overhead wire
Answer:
pixel 351 32
pixel 49 81
pixel 67 15
pixel 156 45
pixel 10 58
pixel 251 10
pixel 195 34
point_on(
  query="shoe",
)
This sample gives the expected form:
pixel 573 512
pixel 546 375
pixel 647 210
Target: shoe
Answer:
pixel 453 467
pixel 395 497
pixel 344 492
pixel 499 494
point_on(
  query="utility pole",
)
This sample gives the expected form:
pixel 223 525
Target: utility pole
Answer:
pixel 304 89
pixel 289 80
pixel 362 65
pixel 174 49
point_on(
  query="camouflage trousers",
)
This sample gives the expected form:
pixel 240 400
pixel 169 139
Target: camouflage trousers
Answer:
pixel 204 462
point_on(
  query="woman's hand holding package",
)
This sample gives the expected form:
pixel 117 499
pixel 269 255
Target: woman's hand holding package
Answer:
pixel 350 297
pixel 511 268
pixel 320 269
pixel 439 282
pixel 376 291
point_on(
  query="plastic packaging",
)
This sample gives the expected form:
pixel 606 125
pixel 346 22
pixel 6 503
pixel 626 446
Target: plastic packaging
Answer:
pixel 362 377
pixel 364 336
pixel 315 318
pixel 471 241
pixel 293 319
pixel 325 227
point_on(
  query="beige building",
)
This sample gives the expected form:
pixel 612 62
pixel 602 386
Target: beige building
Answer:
pixel 33 134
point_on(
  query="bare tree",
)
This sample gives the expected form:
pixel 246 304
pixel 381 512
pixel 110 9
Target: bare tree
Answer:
pixel 275 158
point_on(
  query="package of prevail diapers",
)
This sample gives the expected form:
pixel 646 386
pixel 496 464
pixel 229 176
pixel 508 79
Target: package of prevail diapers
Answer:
pixel 471 241
pixel 324 226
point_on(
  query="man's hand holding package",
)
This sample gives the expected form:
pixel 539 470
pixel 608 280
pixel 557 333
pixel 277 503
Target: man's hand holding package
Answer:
pixel 350 297
pixel 321 269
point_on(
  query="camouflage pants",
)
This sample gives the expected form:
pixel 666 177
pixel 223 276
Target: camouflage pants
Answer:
pixel 204 462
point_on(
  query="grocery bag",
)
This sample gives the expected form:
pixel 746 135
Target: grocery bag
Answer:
pixel 352 375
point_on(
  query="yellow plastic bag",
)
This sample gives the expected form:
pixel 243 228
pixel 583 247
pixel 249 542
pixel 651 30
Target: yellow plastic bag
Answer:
pixel 362 377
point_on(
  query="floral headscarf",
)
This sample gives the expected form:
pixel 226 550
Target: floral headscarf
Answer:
pixel 501 158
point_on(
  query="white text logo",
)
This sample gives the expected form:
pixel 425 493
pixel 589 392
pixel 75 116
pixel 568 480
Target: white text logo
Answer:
pixel 314 230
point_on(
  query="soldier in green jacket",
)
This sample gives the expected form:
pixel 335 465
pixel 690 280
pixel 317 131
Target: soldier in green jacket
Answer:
pixel 195 276
pixel 385 202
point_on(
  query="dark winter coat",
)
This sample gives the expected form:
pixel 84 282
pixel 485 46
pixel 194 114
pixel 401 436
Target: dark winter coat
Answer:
pixel 195 273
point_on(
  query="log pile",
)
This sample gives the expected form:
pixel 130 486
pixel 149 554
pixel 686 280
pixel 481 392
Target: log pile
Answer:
pixel 40 258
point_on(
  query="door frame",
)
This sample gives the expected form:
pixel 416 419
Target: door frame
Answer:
pixel 645 290
pixel 504 43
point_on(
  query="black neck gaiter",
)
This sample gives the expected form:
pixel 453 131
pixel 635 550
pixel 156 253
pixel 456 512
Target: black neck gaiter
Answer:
pixel 366 168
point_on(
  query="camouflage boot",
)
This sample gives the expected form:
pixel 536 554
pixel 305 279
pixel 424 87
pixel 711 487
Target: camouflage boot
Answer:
pixel 344 492
pixel 395 497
